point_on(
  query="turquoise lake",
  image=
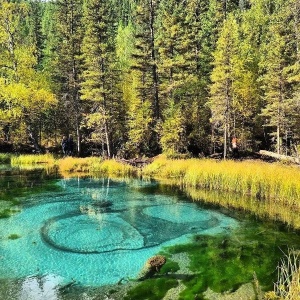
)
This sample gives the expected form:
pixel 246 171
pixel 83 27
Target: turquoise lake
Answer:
pixel 92 232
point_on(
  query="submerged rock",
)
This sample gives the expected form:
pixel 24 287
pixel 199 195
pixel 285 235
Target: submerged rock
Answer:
pixel 152 266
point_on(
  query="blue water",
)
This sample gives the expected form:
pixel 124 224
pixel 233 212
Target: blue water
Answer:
pixel 97 231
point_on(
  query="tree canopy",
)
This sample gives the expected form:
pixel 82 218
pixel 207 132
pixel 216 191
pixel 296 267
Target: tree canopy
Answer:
pixel 134 78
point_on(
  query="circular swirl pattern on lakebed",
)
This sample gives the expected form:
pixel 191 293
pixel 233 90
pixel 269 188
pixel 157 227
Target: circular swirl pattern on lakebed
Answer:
pixel 94 233
pixel 91 231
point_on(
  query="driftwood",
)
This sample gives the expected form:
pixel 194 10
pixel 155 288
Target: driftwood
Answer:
pixel 280 156
pixel 216 155
pixel 137 162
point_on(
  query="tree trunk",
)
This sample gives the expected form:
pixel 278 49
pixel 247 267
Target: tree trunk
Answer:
pixel 108 145
pixel 153 58
pixel 279 156
pixel 225 141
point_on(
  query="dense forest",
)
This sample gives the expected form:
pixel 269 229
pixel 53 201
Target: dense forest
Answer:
pixel 132 78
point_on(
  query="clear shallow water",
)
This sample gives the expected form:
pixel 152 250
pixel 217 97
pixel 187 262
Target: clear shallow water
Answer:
pixel 95 232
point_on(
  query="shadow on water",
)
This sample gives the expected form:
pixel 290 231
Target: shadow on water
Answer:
pixel 86 227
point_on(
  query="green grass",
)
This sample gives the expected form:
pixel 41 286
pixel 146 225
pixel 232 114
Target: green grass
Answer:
pixel 73 166
pixel 5 158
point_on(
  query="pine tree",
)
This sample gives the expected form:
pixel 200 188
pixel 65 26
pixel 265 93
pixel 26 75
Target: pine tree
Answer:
pixel 177 65
pixel 292 31
pixel 277 57
pixel 144 105
pixel 68 31
pixel 100 76
pixel 246 86
pixel 223 75
pixel 35 32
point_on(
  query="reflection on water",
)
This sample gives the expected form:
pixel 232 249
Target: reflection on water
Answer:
pixel 93 232
pixel 267 208
pixel 31 287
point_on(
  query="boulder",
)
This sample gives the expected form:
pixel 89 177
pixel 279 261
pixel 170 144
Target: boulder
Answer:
pixel 152 266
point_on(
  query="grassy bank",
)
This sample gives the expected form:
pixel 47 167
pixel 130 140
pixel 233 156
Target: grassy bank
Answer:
pixel 259 179
pixel 275 185
pixel 70 166
pixel 266 189
pixel 32 160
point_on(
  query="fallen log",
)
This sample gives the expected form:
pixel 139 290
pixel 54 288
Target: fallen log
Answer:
pixel 137 162
pixel 279 156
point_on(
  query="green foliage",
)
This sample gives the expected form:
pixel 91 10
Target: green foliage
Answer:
pixel 170 267
pixel 24 90
pixel 237 260
pixel 5 158
pixel 152 289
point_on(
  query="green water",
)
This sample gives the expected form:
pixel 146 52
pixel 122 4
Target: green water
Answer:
pixel 89 239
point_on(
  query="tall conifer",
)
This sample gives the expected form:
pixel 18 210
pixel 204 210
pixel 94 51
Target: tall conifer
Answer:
pixel 223 75
pixel 68 30
pixel 144 109
pixel 100 76
pixel 279 55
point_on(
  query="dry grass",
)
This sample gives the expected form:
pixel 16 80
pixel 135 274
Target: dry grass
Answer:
pixel 33 159
pixel 287 286
pixel 261 180
pixel 73 165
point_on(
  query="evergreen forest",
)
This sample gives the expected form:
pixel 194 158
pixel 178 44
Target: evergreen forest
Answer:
pixel 131 78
